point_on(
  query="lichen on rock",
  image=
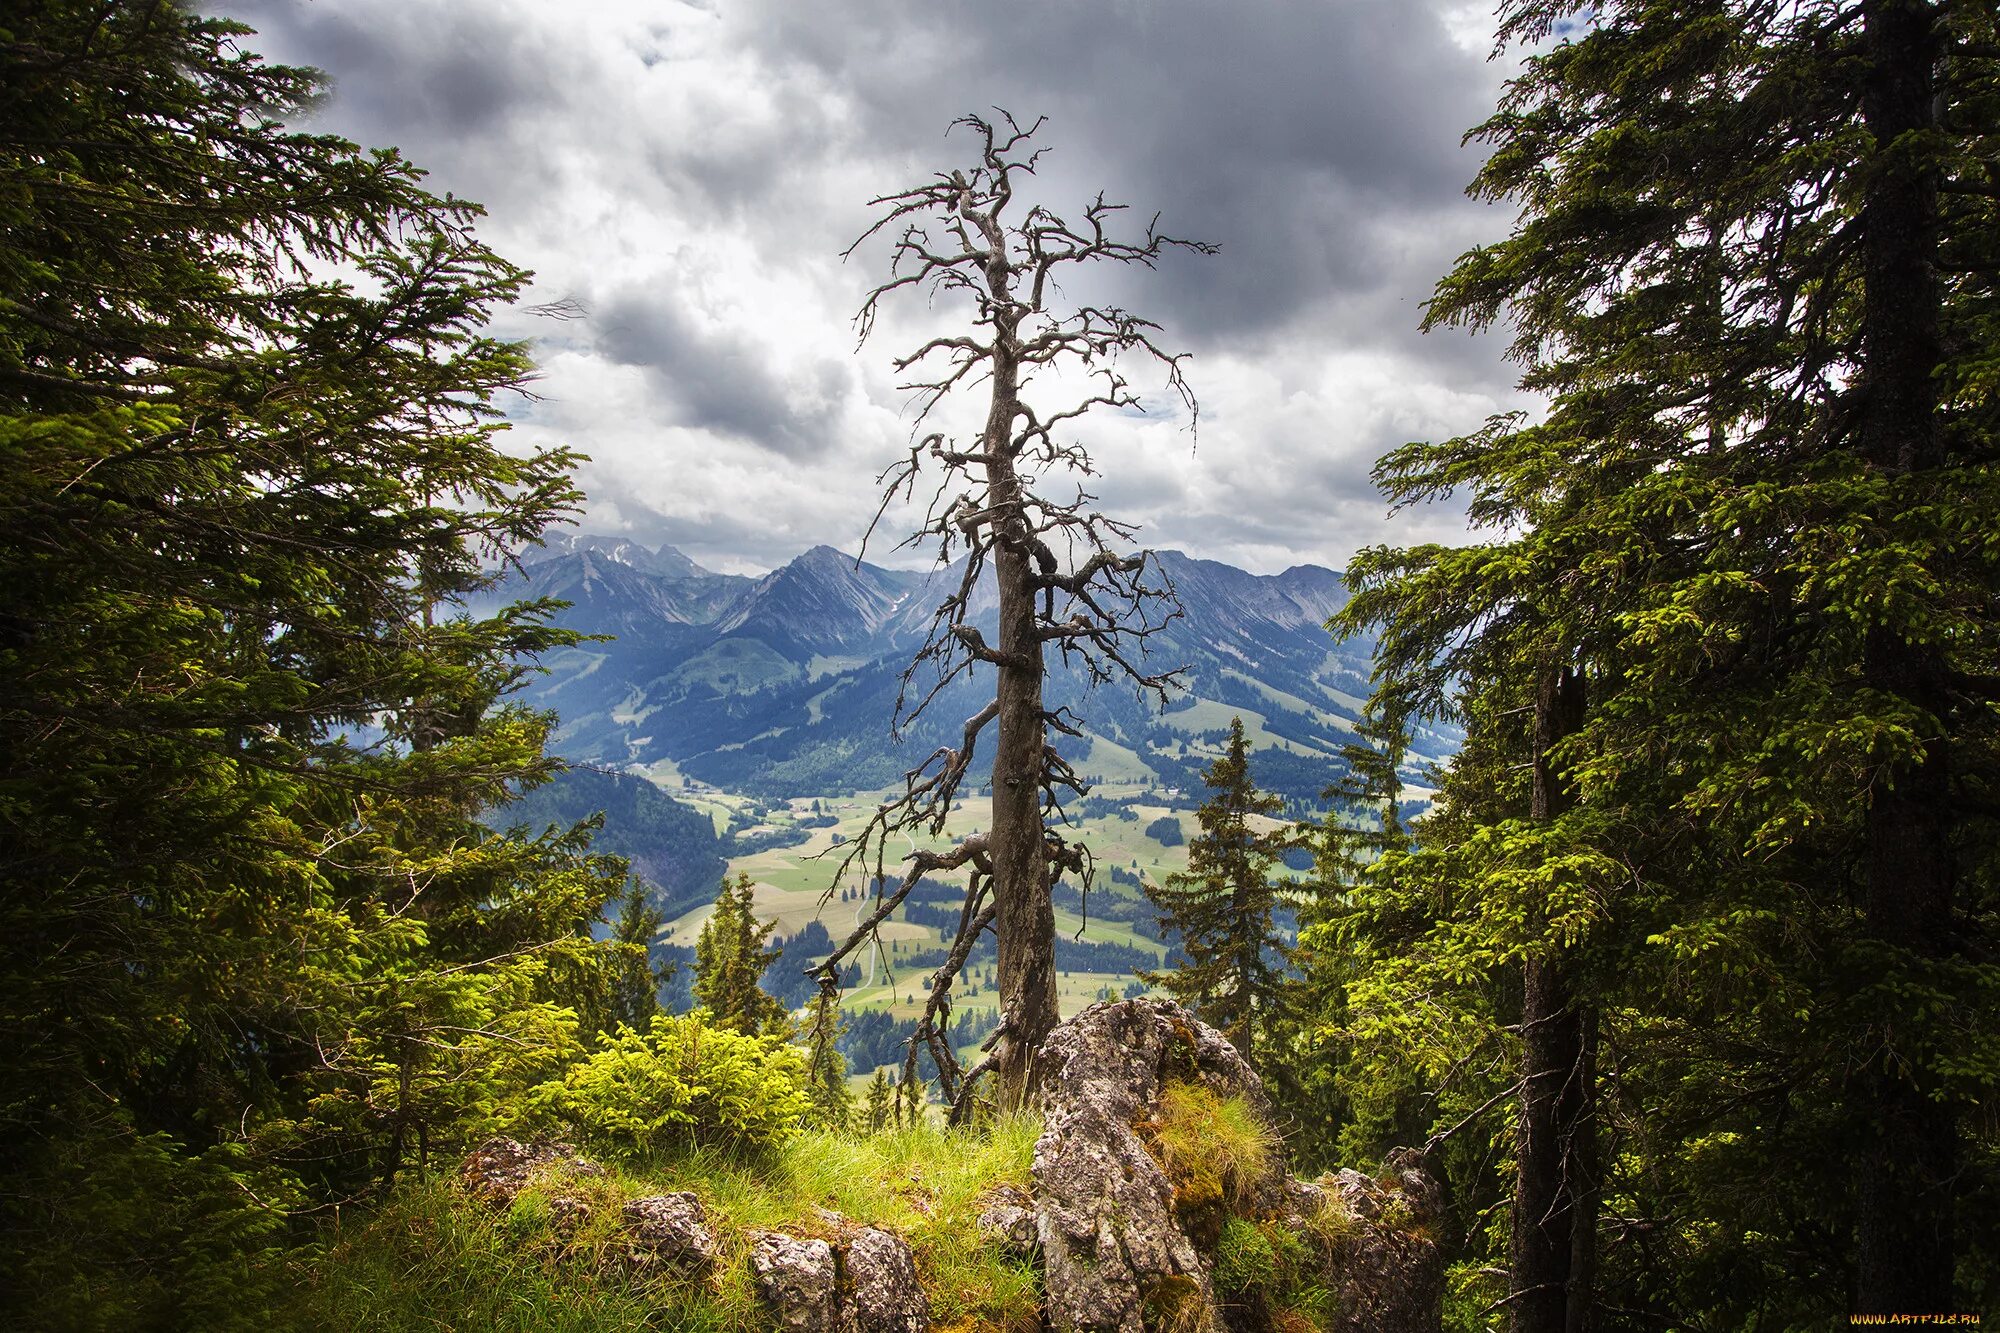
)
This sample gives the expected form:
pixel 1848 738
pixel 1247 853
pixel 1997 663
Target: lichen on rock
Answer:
pixel 669 1232
pixel 863 1280
pixel 798 1282
pixel 500 1168
pixel 880 1291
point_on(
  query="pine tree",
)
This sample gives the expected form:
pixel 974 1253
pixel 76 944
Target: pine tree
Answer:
pixel 1727 671
pixel 636 981
pixel 826 1073
pixel 1221 906
pixel 881 1095
pixel 248 408
pixel 1370 791
pixel 1307 1073
pixel 730 961
pixel 912 1097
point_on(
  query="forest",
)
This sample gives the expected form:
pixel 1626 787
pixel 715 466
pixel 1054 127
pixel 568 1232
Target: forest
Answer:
pixel 1674 1003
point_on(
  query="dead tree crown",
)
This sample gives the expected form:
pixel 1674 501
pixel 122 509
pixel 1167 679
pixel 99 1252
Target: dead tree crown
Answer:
pixel 1064 573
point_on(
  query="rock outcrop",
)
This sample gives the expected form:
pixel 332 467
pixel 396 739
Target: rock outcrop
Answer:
pixel 500 1168
pixel 862 1281
pixel 1128 1248
pixel 881 1293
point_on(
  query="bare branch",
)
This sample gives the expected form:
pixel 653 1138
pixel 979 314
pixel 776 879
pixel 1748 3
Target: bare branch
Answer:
pixel 1062 573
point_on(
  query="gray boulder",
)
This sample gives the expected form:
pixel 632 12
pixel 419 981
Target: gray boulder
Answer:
pixel 669 1232
pixel 1116 1257
pixel 1386 1273
pixel 798 1282
pixel 863 1281
pixel 881 1293
pixel 500 1168
pixel 1124 1251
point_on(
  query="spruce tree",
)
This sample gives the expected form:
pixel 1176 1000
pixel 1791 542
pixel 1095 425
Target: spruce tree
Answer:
pixel 636 981
pixel 1307 1072
pixel 881 1095
pixel 249 416
pixel 1727 667
pixel 1221 905
pixel 730 961
pixel 826 1072
pixel 1364 817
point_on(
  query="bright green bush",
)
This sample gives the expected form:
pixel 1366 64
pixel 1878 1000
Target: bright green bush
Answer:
pixel 683 1084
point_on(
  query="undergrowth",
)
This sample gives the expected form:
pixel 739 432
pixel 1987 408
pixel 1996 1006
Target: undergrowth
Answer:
pixel 433 1260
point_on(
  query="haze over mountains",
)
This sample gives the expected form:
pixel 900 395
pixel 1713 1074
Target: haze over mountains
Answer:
pixel 786 684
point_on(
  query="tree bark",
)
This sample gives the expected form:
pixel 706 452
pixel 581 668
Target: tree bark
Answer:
pixel 1904 1261
pixel 1024 911
pixel 1553 1248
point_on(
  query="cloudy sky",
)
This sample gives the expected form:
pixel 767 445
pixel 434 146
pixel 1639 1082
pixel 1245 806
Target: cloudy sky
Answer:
pixel 688 174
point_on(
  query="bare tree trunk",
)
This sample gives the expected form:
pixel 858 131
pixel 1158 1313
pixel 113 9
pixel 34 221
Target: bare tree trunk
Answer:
pixel 1024 912
pixel 1553 1249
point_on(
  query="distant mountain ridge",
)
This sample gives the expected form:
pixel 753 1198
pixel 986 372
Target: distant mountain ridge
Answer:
pixel 786 684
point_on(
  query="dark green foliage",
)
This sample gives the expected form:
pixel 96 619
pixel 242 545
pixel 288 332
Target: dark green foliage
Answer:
pixel 1352 1117
pixel 1166 830
pixel 137 1233
pixel 1753 274
pixel 730 961
pixel 1221 907
pixel 826 1071
pixel 877 1113
pixel 248 960
pixel 636 981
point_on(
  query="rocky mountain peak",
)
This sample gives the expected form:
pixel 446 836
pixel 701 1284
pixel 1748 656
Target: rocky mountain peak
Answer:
pixel 824 600
pixel 661 562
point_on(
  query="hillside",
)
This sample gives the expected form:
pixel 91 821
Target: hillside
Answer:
pixel 671 846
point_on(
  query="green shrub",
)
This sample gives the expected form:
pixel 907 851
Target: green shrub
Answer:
pixel 113 1230
pixel 683 1084
pixel 1244 1258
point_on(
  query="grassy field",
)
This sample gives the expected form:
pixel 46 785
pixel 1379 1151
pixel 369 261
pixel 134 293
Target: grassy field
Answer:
pixel 791 885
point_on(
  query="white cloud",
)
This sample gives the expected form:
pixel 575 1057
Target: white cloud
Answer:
pixel 690 175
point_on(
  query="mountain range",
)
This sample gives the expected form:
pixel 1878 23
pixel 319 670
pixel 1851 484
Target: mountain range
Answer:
pixel 786 684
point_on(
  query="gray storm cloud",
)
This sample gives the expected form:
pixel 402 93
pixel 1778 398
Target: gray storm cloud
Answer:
pixel 692 174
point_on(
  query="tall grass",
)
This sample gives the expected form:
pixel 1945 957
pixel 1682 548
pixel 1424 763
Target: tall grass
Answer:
pixel 433 1260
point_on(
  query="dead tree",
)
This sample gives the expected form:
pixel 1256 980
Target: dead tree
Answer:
pixel 1064 574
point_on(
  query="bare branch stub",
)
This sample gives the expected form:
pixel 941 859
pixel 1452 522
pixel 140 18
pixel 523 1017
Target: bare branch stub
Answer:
pixel 1063 573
